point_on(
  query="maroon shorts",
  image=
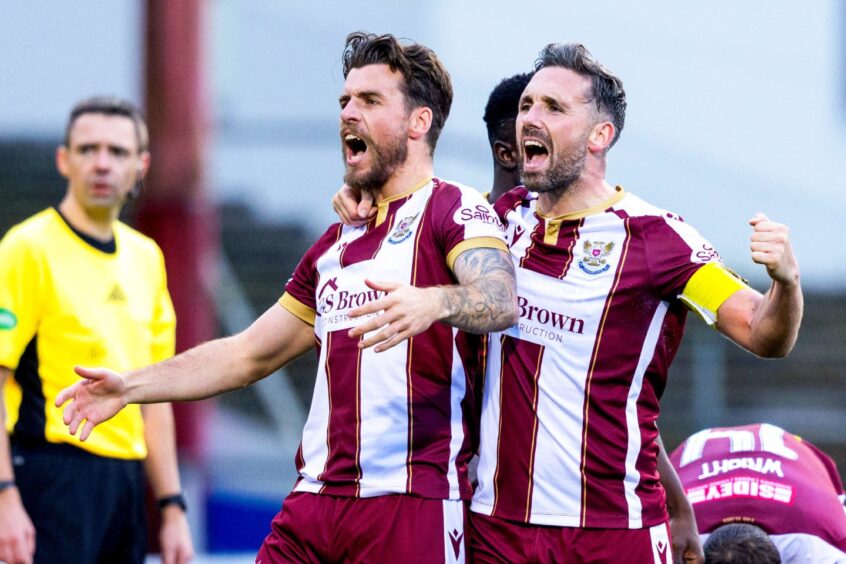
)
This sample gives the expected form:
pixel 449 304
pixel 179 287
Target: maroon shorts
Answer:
pixel 497 540
pixel 389 528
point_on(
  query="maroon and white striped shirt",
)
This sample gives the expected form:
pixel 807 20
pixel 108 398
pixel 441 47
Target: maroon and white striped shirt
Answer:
pixel 762 475
pixel 396 421
pixel 571 395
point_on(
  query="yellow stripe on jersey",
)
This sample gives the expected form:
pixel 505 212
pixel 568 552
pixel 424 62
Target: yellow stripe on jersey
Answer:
pixel 474 243
pixel 618 195
pixel 297 308
pixel 709 288
pixel 550 233
pixel 382 206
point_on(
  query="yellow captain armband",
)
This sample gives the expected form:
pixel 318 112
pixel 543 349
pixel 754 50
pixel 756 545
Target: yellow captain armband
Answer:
pixel 708 288
pixel 297 308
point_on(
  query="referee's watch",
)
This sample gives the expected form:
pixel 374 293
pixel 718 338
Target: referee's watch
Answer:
pixel 6 484
pixel 176 499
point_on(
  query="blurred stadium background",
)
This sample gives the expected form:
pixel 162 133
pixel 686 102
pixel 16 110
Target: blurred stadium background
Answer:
pixel 734 108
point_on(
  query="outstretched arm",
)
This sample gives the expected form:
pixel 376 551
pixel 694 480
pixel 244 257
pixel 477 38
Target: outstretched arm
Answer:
pixel 274 339
pixel 484 300
pixel 766 325
pixel 687 547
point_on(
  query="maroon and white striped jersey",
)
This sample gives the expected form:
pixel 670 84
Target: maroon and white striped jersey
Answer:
pixel 396 421
pixel 571 394
pixel 762 475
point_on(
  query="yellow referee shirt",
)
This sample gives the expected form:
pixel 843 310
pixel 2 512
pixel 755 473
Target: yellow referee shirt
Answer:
pixel 63 302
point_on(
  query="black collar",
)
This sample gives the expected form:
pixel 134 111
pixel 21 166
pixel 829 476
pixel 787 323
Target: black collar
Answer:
pixel 108 247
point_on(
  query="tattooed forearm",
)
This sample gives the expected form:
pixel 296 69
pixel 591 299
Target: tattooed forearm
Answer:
pixel 486 298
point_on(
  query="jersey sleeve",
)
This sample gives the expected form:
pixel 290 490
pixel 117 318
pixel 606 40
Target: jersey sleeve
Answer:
pixel 21 296
pixel 299 297
pixel 684 265
pixel 467 222
pixel 164 318
pixel 709 288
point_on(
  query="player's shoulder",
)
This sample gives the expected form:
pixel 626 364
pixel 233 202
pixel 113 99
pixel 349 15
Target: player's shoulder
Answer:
pixel 636 207
pixel 332 235
pixel 460 201
pixel 446 185
pixel 453 190
pixel 516 198
pixel 651 221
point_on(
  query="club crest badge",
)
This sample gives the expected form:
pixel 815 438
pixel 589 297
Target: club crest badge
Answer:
pixel 595 256
pixel 402 230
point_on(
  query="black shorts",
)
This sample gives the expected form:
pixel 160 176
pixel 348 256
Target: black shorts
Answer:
pixel 85 508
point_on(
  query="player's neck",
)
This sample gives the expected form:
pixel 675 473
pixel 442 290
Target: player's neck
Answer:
pixel 588 191
pixel 410 173
pixel 579 196
pixel 96 223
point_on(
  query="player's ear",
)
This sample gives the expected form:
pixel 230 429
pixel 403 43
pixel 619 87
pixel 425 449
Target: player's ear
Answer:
pixel 419 122
pixel 601 137
pixel 62 156
pixel 505 154
pixel 143 165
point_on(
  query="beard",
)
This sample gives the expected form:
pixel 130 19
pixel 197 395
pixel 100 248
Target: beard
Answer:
pixel 566 168
pixel 385 159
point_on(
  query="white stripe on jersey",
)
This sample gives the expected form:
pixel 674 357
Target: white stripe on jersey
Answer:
pixel 457 393
pixel 384 437
pixel 632 478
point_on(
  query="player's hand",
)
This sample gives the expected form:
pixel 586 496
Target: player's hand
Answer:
pixel 175 537
pixel 687 548
pixel 770 246
pixel 353 207
pixel 96 398
pixel 17 535
pixel 406 312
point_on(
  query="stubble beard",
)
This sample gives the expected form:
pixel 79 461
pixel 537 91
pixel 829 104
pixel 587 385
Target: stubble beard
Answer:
pixel 385 160
pixel 565 170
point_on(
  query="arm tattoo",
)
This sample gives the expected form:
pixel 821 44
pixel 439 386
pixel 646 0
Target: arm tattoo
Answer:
pixel 485 298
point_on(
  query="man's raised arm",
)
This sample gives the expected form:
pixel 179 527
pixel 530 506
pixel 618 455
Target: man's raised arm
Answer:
pixel 766 325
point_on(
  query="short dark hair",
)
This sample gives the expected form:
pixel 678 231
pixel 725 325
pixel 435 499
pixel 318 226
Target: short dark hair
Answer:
pixel 427 82
pixel 607 89
pixel 503 105
pixel 110 106
pixel 740 543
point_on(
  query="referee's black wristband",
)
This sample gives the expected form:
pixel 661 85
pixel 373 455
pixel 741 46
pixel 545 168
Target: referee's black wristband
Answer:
pixel 6 484
pixel 177 499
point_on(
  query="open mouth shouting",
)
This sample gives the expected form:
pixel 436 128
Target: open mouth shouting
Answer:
pixel 354 149
pixel 535 154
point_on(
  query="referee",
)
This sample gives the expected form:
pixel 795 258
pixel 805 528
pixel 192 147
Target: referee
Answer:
pixel 77 283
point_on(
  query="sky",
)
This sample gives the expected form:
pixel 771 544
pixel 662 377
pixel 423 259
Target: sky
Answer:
pixel 733 108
